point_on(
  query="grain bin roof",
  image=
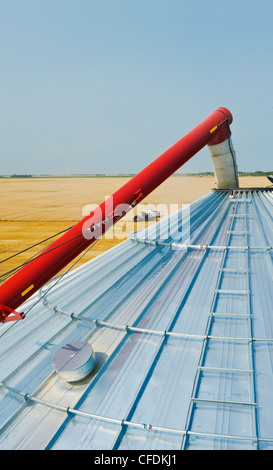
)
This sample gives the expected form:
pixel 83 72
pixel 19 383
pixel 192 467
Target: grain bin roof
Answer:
pixel 182 330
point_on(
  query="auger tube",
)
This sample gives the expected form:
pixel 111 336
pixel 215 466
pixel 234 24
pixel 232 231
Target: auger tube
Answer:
pixel 213 131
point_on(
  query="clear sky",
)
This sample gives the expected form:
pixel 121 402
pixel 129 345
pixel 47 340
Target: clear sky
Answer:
pixel 106 86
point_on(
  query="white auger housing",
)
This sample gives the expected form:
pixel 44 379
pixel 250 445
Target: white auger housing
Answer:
pixel 224 164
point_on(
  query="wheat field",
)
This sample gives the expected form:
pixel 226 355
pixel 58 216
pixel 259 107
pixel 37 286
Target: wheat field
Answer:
pixel 34 209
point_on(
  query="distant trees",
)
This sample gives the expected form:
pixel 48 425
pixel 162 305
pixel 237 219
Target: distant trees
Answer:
pixel 20 176
pixel 15 176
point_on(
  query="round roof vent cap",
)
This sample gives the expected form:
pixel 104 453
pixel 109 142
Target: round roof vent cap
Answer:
pixel 74 361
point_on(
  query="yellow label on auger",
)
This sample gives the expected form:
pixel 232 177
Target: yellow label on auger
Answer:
pixel 213 129
pixel 27 290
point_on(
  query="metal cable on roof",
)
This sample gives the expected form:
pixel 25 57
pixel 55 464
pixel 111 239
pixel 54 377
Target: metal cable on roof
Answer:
pixel 123 422
pixel 4 276
pixel 36 244
pixel 62 276
pixel 132 328
pixel 40 254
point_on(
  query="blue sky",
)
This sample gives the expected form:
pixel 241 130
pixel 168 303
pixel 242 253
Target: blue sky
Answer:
pixel 106 86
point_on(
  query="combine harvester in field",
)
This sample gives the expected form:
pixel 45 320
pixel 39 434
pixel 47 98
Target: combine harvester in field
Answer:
pixel 163 342
pixel 147 215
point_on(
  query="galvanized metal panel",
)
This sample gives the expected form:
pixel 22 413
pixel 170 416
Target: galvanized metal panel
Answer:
pixel 181 324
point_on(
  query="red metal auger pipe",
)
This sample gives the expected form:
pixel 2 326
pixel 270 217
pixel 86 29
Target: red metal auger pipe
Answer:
pixel 16 290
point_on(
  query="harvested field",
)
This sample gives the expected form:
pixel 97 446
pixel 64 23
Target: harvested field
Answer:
pixel 33 209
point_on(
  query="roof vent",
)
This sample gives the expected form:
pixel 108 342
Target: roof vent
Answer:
pixel 74 361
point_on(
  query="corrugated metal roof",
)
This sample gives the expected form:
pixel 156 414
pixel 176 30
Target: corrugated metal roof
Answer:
pixel 180 319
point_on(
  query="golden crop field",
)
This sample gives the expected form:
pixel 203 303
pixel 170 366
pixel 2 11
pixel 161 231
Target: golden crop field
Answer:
pixel 33 209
